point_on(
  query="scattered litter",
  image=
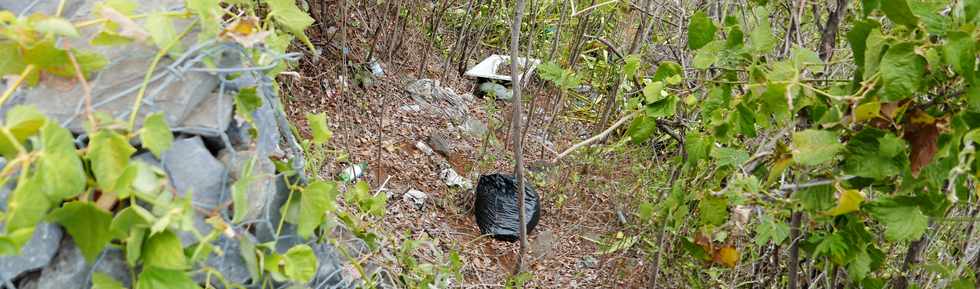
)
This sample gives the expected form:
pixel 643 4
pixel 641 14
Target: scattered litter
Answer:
pixel 490 66
pixel 496 90
pixel 353 172
pixel 453 179
pixel 411 108
pixel 415 197
pixel 424 148
pixel 376 68
pixel 496 207
pixel 588 261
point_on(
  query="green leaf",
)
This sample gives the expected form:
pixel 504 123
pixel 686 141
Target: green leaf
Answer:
pixel 132 217
pixel 815 199
pixel 291 18
pixel 770 230
pixel 11 61
pixel 867 111
pixel 316 200
pixel 876 46
pixel 858 37
pixel 860 266
pixel 761 36
pixel 631 65
pixel 301 263
pixel 653 91
pixel 109 153
pixel 903 220
pixel 159 278
pixel 26 205
pixel 318 125
pixel 813 147
pixel 239 191
pixel 22 122
pixel 59 164
pixel 700 30
pixel 714 210
pixel 134 246
pixel 902 71
pixel 932 15
pixel 833 246
pixel 873 153
pixel 161 29
pixel 247 101
pixel 156 135
pixel 898 11
pixel 104 281
pixel 662 108
pixel 960 51
pixel 708 54
pixel 868 6
pixel 56 26
pixel 725 156
pixel 163 250
pixel 87 224
pixel 667 69
pixel 849 201
pixel 46 55
pixel 697 147
pixel 641 129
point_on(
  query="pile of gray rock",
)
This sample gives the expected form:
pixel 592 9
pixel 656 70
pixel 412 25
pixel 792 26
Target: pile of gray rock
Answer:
pixel 210 150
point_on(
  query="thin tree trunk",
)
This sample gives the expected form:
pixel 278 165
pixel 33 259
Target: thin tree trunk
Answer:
pixel 911 257
pixel 515 35
pixel 828 39
pixel 613 94
pixel 794 250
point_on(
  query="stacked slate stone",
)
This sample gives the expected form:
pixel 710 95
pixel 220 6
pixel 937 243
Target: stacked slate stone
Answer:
pixel 210 149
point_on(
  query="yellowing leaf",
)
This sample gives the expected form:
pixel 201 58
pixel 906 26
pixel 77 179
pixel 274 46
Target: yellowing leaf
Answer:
pixel 245 31
pixel 127 27
pixel 727 256
pixel 56 26
pixel 849 201
pixel 867 111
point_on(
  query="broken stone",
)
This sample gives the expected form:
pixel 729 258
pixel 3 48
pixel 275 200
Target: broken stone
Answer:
pixel 35 254
pixel 415 197
pixel 453 179
pixel 211 117
pixel 192 168
pixel 262 184
pixel 69 270
pixel 230 263
pixel 474 127
pixel 437 99
pixel 329 272
pixel 113 88
pixel 439 144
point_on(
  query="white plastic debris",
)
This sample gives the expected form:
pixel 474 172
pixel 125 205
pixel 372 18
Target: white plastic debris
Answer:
pixel 487 69
pixel 353 172
pixel 376 69
pixel 415 197
pixel 424 148
pixel 453 179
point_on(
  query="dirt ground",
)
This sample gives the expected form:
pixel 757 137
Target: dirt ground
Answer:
pixel 373 125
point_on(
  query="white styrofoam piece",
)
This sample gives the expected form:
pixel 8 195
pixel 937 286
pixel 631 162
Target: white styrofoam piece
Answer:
pixel 488 68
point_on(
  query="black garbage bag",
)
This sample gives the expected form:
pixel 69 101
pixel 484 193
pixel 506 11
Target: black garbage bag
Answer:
pixel 496 207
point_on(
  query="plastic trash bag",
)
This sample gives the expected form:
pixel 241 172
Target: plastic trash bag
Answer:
pixel 496 207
